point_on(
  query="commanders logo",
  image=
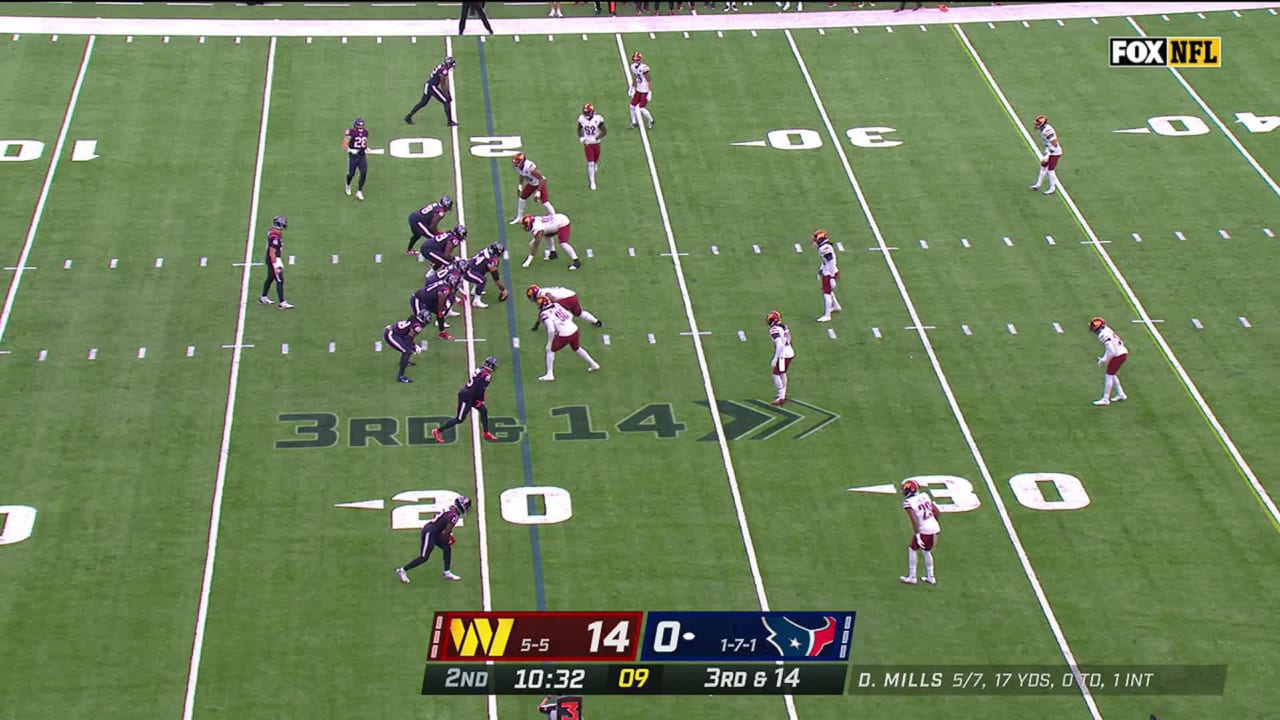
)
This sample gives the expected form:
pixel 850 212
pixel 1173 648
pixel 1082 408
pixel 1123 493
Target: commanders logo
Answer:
pixel 1165 52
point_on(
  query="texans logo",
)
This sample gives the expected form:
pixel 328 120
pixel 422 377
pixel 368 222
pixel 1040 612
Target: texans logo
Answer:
pixel 792 639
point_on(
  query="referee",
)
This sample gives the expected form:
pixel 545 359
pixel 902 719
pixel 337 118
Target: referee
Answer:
pixel 473 8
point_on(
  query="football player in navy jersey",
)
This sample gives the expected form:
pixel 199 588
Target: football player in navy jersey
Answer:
pixel 438 531
pixel 402 337
pixel 275 262
pixel 480 269
pixel 471 396
pixel 438 249
pixel 433 88
pixel 425 221
pixel 356 142
pixel 435 299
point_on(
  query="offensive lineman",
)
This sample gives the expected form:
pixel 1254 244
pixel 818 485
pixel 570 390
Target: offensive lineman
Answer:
pixel 1052 154
pixel 471 396
pixel 828 273
pixel 425 221
pixel 591 131
pixel 438 249
pixel 1113 356
pixel 783 353
pixel 924 524
pixel 438 531
pixel 562 332
pixel 356 141
pixel 482 267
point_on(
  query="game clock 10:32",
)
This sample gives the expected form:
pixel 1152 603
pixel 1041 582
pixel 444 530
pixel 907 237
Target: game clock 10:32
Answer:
pixel 636 679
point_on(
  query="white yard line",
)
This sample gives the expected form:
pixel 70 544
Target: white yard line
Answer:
pixel 919 327
pixel 712 404
pixel 224 450
pixel 705 22
pixel 1266 177
pixel 486 595
pixel 1261 492
pixel 43 198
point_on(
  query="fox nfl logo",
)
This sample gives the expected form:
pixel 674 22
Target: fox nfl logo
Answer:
pixel 1174 52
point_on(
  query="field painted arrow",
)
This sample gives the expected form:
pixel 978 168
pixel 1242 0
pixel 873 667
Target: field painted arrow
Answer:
pixel 830 418
pixel 363 505
pixel 877 489
pixel 788 419
pixel 739 419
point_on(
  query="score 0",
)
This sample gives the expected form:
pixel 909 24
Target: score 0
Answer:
pixel 667 636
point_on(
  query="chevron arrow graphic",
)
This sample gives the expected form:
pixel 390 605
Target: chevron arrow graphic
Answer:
pixel 788 419
pixel 739 419
pixel 830 418
pixel 362 505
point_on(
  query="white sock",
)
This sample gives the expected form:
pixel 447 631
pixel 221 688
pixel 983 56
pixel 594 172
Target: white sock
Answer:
pixel 568 250
pixel 835 304
pixel 546 252
pixel 928 564
pixel 784 384
pixel 589 317
pixel 582 353
pixel 1053 179
pixel 551 210
pixel 644 112
pixel 1116 379
pixel 551 362
pixel 828 303
pixel 1107 384
pixel 777 382
pixel 520 207
pixel 634 119
pixel 1043 174
pixel 911 563
pixel 591 172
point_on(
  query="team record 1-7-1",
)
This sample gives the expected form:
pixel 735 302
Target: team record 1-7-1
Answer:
pixel 639 653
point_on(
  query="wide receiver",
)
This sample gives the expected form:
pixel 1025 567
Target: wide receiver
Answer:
pixel 828 274
pixel 1113 356
pixel 640 89
pixel 565 298
pixel 591 131
pixel 1052 154
pixel 556 229
pixel 924 526
pixel 562 332
pixel 531 183
pixel 783 353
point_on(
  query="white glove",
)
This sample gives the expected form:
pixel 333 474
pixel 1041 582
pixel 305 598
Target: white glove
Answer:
pixel 919 541
pixel 628 91
pixel 278 264
pixel 582 139
pixel 1102 359
pixel 649 94
pixel 352 151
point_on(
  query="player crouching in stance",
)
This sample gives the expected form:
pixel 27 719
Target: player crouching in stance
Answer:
pixel 783 353
pixel 556 226
pixel 1113 356
pixel 402 336
pixel 562 331
pixel 481 268
pixel 924 523
pixel 1052 154
pixel 565 298
pixel 471 396
pixel 438 531
pixel 828 273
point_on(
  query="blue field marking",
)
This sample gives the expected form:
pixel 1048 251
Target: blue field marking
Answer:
pixel 525 460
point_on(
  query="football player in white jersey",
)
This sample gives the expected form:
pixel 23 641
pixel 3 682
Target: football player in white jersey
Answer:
pixel 591 131
pixel 1113 356
pixel 556 229
pixel 531 183
pixel 565 298
pixel 783 353
pixel 640 90
pixel 562 332
pixel 924 526
pixel 1052 154
pixel 828 273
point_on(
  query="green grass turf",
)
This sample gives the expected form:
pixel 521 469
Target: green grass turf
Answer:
pixel 1167 564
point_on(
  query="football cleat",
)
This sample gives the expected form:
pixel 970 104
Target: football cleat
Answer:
pixel 575 264
pixel 358 123
pixel 517 160
pixel 435 433
pixel 490 436
pixel 910 488
pixel 360 195
pixel 491 363
pixel 462 504
pixel 404 379
pixel 286 306
pixel 930 581
pixel 547 378
pixel 531 292
pixel 527 221
pixel 907 580
pixel 1096 325
pixel 347 190
pixel 450 576
pixel 773 318
pixel 280 222
pixel 446 203
pixel 636 57
pixel 1041 120
pixel 404 576
pixel 819 237
pixel 1102 402
pixel 264 300
pixel 589 110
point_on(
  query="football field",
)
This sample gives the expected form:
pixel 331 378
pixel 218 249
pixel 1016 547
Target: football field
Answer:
pixel 204 498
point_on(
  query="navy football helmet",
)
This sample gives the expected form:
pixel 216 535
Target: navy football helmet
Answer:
pixel 491 363
pixel 280 222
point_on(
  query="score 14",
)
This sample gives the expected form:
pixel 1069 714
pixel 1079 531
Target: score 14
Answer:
pixel 617 640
